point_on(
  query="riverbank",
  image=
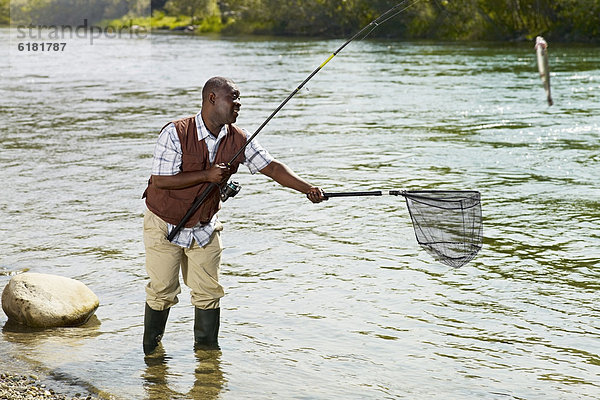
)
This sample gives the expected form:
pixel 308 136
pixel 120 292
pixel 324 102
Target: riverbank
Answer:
pixel 21 387
pixel 159 21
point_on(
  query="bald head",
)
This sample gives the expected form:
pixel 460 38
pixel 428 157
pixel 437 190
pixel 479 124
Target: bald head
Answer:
pixel 220 103
pixel 216 84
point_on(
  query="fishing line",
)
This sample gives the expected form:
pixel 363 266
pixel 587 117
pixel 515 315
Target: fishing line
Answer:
pixel 386 16
pixel 376 25
pixel 447 223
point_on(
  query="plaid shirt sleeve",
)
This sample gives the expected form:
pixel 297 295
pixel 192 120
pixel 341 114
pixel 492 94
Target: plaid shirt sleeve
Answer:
pixel 167 152
pixel 257 157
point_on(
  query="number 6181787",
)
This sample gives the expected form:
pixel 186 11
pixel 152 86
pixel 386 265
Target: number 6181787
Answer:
pixel 43 46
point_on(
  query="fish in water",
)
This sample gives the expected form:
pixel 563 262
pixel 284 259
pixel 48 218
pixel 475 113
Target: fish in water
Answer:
pixel 541 48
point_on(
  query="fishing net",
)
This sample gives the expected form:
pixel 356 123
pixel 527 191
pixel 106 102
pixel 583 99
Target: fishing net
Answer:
pixel 447 224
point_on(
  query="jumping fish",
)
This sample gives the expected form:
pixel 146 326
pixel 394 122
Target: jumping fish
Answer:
pixel 541 48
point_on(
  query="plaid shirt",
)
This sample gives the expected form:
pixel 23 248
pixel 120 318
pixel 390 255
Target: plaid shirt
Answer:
pixel 167 161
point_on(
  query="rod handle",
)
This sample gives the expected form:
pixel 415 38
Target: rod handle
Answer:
pixel 197 203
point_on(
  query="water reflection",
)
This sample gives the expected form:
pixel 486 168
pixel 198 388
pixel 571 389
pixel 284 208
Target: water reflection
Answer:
pixel 22 334
pixel 208 376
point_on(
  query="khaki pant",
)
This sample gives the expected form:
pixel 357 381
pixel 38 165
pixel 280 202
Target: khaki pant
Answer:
pixel 199 267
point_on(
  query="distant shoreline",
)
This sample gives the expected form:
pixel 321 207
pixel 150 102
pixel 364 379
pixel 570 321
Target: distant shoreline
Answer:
pixel 166 31
pixel 118 27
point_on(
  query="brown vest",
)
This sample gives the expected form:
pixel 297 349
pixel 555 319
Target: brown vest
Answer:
pixel 172 204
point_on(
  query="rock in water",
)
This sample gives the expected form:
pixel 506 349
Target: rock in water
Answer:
pixel 44 301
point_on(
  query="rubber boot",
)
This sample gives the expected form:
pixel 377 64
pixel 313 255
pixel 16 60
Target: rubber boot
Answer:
pixel 206 329
pixel 154 328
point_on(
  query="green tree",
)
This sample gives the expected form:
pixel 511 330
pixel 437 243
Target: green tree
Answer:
pixel 193 8
pixel 436 19
pixel 4 12
pixel 578 19
pixel 73 12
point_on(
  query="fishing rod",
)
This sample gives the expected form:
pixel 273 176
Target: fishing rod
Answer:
pixel 386 16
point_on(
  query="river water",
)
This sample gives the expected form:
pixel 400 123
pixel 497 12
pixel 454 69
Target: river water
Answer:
pixel 323 301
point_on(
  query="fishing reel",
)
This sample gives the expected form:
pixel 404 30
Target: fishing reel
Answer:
pixel 230 190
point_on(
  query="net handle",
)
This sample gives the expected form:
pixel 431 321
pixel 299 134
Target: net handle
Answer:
pixel 352 194
pixel 413 194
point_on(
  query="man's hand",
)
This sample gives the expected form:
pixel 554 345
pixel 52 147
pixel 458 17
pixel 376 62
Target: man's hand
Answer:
pixel 218 173
pixel 315 195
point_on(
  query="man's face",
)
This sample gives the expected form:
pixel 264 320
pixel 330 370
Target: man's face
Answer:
pixel 227 103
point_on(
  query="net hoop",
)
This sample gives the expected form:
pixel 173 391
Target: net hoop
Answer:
pixel 447 224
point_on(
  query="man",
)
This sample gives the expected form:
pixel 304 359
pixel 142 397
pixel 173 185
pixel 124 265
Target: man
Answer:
pixel 191 154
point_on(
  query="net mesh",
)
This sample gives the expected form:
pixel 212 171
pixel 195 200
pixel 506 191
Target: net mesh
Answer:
pixel 448 224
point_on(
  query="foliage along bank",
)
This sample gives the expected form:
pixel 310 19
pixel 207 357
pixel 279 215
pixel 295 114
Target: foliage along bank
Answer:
pixel 571 20
pixel 557 20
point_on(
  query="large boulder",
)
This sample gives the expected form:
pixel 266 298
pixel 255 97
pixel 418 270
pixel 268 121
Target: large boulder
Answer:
pixel 44 301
